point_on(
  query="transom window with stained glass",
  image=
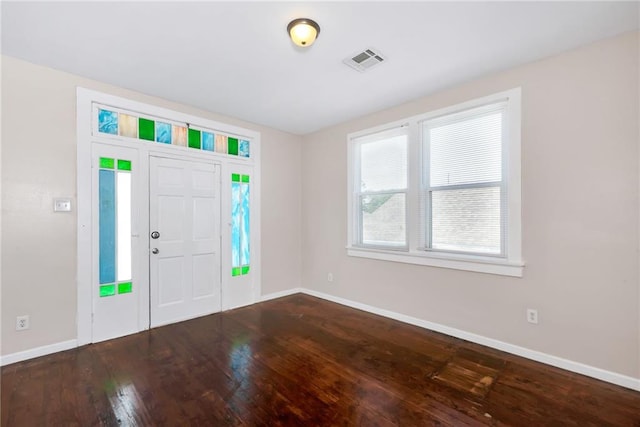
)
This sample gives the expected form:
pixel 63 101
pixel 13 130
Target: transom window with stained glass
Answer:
pixel 142 127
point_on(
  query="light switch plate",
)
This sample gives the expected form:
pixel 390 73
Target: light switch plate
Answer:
pixel 62 205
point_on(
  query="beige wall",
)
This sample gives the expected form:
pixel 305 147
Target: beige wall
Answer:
pixel 580 216
pixel 39 163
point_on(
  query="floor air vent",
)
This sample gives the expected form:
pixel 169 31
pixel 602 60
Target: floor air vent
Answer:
pixel 364 60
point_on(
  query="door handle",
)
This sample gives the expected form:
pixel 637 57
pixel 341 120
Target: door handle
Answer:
pixel 155 251
pixel 155 235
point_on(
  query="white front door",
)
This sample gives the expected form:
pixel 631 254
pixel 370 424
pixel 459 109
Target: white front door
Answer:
pixel 184 239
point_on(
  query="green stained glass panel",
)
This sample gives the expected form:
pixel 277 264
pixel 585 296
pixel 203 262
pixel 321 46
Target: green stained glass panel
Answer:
pixel 107 290
pixel 147 129
pixel 245 269
pixel 245 178
pixel 233 146
pixel 125 288
pixel 106 163
pixel 194 138
pixel 124 165
pixel 236 271
pixel 235 177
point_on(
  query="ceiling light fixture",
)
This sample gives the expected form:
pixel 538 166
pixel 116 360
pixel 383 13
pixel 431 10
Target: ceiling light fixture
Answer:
pixel 303 31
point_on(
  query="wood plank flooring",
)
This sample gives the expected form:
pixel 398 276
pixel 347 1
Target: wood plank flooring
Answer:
pixel 302 361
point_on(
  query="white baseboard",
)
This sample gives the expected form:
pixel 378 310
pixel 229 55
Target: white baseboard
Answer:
pixel 559 362
pixel 37 352
pixel 281 294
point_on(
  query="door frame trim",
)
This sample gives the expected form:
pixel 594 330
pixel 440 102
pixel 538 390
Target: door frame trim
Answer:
pixel 85 100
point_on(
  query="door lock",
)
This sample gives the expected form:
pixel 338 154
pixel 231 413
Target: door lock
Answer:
pixel 155 235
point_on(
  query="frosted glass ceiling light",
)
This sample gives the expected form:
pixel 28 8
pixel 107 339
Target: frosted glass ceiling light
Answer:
pixel 303 31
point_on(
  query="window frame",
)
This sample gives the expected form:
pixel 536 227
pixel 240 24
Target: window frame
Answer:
pixel 417 228
pixel 359 193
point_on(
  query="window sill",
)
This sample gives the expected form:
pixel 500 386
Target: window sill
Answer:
pixel 478 264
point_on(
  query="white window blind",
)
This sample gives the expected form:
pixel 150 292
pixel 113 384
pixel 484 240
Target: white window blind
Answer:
pixel 382 189
pixel 464 201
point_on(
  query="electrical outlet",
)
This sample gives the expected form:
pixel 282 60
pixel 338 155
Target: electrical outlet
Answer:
pixel 22 323
pixel 330 277
pixel 532 316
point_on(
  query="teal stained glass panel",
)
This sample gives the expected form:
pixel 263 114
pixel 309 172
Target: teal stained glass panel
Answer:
pixel 245 229
pixel 146 129
pixel 208 141
pixel 107 226
pixel 163 132
pixel 233 146
pixel 194 138
pixel 107 121
pixel 236 218
pixel 243 149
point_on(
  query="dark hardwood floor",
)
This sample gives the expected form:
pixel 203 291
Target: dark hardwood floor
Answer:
pixel 302 361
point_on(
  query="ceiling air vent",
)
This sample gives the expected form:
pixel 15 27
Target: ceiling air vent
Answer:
pixel 364 60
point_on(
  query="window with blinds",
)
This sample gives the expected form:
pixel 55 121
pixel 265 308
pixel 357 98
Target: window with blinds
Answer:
pixel 441 188
pixel 464 183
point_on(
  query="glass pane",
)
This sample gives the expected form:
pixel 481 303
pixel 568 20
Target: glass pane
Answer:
pixel 383 219
pixel 124 225
pixel 128 126
pixel 245 269
pixel 245 178
pixel 125 288
pixel 466 220
pixel 124 165
pixel 383 164
pixel 107 226
pixel 468 151
pixel 235 177
pixel 236 271
pixel 233 146
pixel 208 141
pixel 244 148
pixel 221 144
pixel 235 224
pixel 107 290
pixel 179 136
pixel 245 229
pixel 163 132
pixel 106 163
pixel 194 138
pixel 147 129
pixel 108 122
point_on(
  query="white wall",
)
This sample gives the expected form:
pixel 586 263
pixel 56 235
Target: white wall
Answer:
pixel 580 204
pixel 39 163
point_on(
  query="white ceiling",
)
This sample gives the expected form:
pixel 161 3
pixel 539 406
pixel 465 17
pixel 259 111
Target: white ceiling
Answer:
pixel 236 58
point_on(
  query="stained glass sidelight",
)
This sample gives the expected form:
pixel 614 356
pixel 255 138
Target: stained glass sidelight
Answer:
pixel 114 226
pixel 240 224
